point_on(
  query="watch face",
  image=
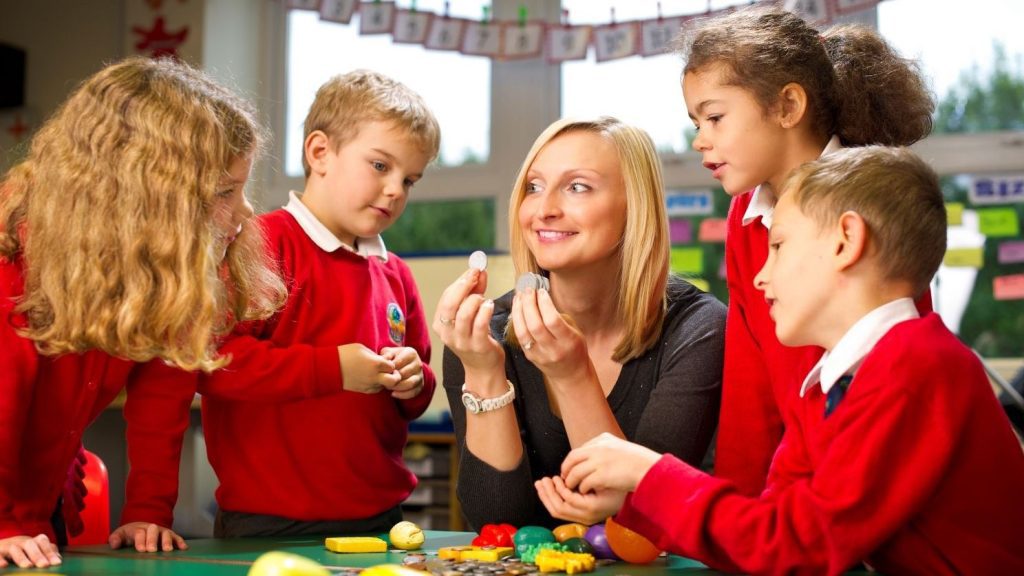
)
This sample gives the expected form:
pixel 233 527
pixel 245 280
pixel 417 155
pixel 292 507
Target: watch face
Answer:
pixel 471 403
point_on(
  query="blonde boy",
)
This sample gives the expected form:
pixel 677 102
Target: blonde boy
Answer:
pixel 896 452
pixel 305 428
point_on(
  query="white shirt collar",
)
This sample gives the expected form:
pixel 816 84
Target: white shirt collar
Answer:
pixel 326 239
pixel 762 203
pixel 858 341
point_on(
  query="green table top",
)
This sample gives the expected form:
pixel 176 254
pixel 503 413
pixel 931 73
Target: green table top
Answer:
pixel 211 557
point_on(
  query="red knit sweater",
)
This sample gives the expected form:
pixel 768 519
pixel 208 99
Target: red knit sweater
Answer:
pixel 46 402
pixel 760 373
pixel 915 472
pixel 281 434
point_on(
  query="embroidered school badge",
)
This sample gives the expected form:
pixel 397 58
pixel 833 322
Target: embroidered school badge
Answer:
pixel 396 323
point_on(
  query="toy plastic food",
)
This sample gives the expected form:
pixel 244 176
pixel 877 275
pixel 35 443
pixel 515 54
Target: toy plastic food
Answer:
pixel 355 544
pixel 567 531
pixel 406 536
pixel 596 536
pixel 629 545
pixel 531 535
pixel 286 564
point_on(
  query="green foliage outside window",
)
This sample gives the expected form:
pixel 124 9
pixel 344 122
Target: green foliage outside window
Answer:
pixel 441 227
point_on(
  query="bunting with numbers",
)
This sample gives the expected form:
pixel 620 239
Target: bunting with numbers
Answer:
pixel 522 38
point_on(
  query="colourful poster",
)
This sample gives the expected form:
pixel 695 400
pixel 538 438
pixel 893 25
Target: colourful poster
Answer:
pixel 680 231
pixel 687 261
pixel 1011 252
pixel 954 213
pixel 998 222
pixel 712 230
pixel 965 257
pixel 1008 287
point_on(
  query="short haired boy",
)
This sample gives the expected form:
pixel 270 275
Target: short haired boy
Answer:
pixel 896 452
pixel 305 428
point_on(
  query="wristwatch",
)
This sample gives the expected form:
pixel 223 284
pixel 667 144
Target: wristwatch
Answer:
pixel 476 405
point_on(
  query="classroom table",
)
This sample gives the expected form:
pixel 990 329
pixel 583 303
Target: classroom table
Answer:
pixel 213 557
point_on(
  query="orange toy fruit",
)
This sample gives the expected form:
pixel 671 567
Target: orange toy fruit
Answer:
pixel 629 545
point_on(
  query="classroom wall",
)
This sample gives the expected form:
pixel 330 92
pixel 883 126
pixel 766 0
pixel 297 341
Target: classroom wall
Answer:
pixel 43 28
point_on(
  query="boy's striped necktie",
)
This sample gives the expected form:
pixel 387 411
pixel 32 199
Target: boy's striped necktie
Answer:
pixel 836 394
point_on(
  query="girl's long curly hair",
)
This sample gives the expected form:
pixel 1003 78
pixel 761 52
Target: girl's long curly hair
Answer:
pixel 111 218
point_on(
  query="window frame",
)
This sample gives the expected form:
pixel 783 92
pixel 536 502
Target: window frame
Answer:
pixel 525 98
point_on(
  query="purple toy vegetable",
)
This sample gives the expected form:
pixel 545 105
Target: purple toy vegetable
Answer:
pixel 596 536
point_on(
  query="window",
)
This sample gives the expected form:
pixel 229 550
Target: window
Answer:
pixel 456 87
pixel 441 227
pixel 968 51
pixel 641 91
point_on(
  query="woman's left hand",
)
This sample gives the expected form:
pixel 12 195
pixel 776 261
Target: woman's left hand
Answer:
pixel 549 340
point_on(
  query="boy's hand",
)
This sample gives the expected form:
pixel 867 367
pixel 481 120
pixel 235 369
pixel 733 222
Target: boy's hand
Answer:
pixel 147 537
pixel 410 369
pixel 607 462
pixel 28 552
pixel 567 504
pixel 364 371
pixel 463 321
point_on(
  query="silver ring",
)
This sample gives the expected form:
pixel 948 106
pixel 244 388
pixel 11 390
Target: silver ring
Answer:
pixel 447 321
pixel 528 345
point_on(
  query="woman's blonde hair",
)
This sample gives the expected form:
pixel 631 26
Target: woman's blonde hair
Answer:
pixel 111 217
pixel 643 274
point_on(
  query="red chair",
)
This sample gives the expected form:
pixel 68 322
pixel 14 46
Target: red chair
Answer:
pixel 96 515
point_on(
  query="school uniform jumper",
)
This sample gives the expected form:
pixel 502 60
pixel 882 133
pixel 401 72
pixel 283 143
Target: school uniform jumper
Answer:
pixel 282 435
pixel 759 371
pixel 916 471
pixel 46 403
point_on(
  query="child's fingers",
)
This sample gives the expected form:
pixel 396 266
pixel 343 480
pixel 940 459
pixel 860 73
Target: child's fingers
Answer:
pixel 19 557
pixel 48 549
pixel 384 365
pixel 152 538
pixel 139 538
pixel 32 554
pixel 401 356
pixel 388 381
pixel 166 541
pixel 577 473
pixel 546 492
pixel 410 370
pixel 409 383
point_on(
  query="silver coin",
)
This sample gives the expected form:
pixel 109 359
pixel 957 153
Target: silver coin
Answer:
pixel 531 280
pixel 478 260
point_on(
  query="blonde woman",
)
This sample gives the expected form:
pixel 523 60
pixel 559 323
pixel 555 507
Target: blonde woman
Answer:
pixel 124 239
pixel 616 345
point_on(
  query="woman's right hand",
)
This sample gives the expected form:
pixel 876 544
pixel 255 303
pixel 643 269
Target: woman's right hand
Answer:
pixel 463 321
pixel 26 551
